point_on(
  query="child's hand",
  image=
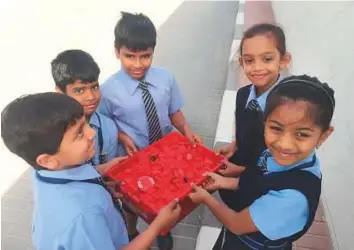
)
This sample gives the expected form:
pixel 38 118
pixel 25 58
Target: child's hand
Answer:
pixel 114 188
pixel 168 216
pixel 193 138
pixel 198 194
pixel 227 150
pixel 231 169
pixel 128 143
pixel 103 168
pixel 213 182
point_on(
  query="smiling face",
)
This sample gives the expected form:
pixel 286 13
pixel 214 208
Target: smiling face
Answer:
pixel 290 132
pixel 135 63
pixel 87 94
pixel 262 62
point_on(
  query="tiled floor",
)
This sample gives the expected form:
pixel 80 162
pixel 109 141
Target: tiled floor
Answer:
pixel 318 237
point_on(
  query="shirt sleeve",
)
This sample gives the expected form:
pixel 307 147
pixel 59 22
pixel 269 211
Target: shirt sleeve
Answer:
pixel 176 100
pixel 104 108
pixel 280 214
pixel 113 140
pixel 89 231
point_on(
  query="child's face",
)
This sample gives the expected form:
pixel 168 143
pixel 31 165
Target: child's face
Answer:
pixel 135 63
pixel 87 94
pixel 262 61
pixel 290 133
pixel 76 147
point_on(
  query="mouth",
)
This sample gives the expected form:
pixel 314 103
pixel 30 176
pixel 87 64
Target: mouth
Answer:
pixel 91 106
pixel 259 76
pixel 137 72
pixel 285 154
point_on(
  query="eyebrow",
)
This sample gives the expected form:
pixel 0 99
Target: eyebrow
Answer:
pixel 304 128
pixel 276 122
pixel 263 54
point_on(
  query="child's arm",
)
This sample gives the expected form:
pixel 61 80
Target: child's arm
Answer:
pixel 277 214
pixel 128 143
pixel 231 169
pixel 237 223
pixel 167 218
pixel 102 168
pixel 228 150
pixel 180 123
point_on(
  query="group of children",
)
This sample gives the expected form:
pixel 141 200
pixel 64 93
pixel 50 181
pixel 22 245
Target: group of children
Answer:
pixel 271 182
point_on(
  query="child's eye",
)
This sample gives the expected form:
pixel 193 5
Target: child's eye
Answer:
pixel 96 87
pixel 276 129
pixel 129 56
pixel 80 135
pixel 302 135
pixel 247 61
pixel 145 57
pixel 78 91
pixel 268 59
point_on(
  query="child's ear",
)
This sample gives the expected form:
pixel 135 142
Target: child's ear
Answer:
pixel 325 135
pixel 48 161
pixel 57 89
pixel 285 60
pixel 116 51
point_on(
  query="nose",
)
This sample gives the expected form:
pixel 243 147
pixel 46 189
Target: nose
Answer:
pixel 137 63
pixel 89 95
pixel 258 64
pixel 285 143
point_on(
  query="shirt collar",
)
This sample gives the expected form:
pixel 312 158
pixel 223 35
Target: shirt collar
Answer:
pixel 131 84
pixel 94 120
pixel 82 172
pixel 262 98
pixel 273 166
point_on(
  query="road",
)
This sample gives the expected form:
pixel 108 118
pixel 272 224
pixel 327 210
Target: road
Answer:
pixel 194 40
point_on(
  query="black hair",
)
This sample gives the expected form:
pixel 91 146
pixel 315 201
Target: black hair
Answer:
pixel 134 31
pixel 274 31
pixel 74 65
pixel 304 88
pixel 35 124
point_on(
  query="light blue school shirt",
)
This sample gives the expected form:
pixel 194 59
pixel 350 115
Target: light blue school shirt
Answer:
pixel 109 135
pixel 122 102
pixel 76 215
pixel 262 99
pixel 282 213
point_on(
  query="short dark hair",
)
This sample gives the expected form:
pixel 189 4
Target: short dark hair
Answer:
pixel 74 65
pixel 274 31
pixel 304 88
pixel 35 124
pixel 134 31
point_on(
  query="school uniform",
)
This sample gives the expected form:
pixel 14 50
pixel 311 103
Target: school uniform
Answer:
pixel 74 210
pixel 249 129
pixel 282 203
pixel 106 138
pixel 130 105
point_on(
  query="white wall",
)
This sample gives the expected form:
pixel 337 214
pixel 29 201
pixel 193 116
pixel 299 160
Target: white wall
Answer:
pixel 320 35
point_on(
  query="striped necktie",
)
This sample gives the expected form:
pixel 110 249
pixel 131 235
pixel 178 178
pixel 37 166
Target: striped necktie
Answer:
pixel 155 132
pixel 253 105
pixel 264 158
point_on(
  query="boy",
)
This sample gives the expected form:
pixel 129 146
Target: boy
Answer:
pixel 75 74
pixel 72 206
pixel 144 101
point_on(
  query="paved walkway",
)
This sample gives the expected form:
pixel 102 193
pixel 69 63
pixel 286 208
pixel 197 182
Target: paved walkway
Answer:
pixel 194 43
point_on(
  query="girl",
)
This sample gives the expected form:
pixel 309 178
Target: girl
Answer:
pixel 277 200
pixel 263 56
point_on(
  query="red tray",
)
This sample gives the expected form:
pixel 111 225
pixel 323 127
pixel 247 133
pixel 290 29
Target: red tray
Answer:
pixel 163 171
